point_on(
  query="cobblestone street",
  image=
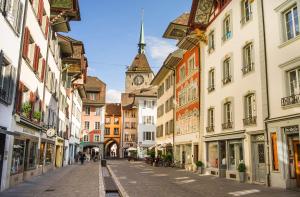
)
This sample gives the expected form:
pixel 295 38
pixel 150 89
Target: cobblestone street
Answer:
pixel 139 179
pixel 71 181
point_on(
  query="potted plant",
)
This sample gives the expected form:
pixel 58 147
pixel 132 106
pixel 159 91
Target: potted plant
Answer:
pixel 200 166
pixel 26 109
pixel 242 170
pixel 37 116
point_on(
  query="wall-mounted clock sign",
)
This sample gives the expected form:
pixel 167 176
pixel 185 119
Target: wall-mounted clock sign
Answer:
pixel 50 132
pixel 138 80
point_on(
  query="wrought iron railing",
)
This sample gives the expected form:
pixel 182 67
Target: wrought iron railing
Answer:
pixel 250 120
pixel 247 68
pixel 227 125
pixel 290 100
pixel 210 129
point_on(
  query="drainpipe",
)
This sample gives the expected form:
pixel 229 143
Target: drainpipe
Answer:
pixel 20 57
pixel 267 93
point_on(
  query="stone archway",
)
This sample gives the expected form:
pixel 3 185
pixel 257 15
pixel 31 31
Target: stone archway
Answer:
pixel 111 148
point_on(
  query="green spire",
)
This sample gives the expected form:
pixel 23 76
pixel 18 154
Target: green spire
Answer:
pixel 142 43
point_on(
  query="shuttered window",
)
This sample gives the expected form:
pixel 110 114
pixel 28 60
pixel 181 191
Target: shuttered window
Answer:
pixel 274 152
pixel 7 80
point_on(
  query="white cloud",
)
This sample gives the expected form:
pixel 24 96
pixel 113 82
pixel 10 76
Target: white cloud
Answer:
pixel 159 48
pixel 113 96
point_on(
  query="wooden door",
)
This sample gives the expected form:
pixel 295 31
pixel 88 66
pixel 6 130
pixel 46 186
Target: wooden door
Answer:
pixel 296 145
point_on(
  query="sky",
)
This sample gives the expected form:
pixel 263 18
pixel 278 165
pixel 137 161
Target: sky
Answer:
pixel 110 30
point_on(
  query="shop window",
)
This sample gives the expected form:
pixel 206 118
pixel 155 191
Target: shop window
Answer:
pixel 32 155
pixel 17 161
pixel 213 158
pixel 235 154
pixel 42 153
pixel 49 153
pixel 274 152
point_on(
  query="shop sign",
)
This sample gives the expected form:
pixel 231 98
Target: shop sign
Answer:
pixel 291 129
pixel 50 132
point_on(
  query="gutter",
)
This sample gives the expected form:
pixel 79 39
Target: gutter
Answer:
pixel 267 94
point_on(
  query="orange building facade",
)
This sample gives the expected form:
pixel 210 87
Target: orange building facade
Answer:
pixel 112 130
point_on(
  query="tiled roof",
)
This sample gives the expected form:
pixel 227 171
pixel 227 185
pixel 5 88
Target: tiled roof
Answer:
pixel 140 64
pixel 113 109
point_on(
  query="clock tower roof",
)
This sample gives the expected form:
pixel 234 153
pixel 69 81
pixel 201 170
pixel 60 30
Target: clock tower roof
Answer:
pixel 140 64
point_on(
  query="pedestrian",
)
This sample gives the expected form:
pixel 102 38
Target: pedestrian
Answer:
pixel 82 158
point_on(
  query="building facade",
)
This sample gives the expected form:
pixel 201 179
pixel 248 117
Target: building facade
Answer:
pixel 93 117
pixel 11 23
pixel 113 129
pixel 283 61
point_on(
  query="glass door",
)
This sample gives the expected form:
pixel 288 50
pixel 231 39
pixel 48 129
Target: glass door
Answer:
pixel 296 146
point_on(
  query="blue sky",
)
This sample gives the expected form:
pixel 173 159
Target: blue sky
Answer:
pixel 110 32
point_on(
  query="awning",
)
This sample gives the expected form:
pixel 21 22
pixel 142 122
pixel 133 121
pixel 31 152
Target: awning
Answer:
pixel 3 131
pixel 225 136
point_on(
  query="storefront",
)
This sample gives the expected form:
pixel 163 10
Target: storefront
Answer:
pixel 184 154
pixel 224 154
pixel 24 161
pixel 46 154
pixel 285 153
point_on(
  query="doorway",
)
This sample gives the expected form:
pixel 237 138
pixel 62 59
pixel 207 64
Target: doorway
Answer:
pixel 296 145
pixel 259 159
pixel 2 147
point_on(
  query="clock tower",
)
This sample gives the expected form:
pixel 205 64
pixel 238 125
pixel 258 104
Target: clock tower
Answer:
pixel 139 74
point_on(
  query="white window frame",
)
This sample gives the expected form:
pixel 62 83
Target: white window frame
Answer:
pixel 211 117
pixel 250 105
pixel 96 136
pixel 296 90
pixel 294 33
pixel 246 18
pixel 248 57
pixel 228 112
pixel 211 41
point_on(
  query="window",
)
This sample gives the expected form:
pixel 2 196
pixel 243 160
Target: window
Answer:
pixel 87 110
pixel 133 125
pixel 211 80
pixel 97 125
pixel 17 161
pixel 149 104
pixel 226 71
pixel 275 161
pixel 7 78
pixel 250 106
pixel 291 23
pixel 49 153
pixel 148 120
pixel 107 120
pixel 294 81
pixel 29 48
pixel 132 137
pixel 191 65
pixel 116 121
pixel 182 73
pixel 213 158
pixel 107 131
pixel 227 33
pixel 192 92
pixel 247 58
pixel 182 98
pixel 210 120
pixel 92 96
pixel 211 41
pixel 148 135
pixel 32 159
pixel 97 138
pixel 236 155
pixel 97 111
pixel 85 138
pixel 126 137
pixel 13 11
pixel 160 110
pixel 227 112
pixel 86 125
pixel 246 11
pixel 160 90
pixel 116 131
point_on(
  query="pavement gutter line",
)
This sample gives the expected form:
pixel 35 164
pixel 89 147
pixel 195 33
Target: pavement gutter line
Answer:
pixel 122 191
pixel 101 183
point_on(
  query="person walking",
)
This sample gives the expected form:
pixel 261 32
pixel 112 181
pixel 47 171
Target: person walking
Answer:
pixel 82 158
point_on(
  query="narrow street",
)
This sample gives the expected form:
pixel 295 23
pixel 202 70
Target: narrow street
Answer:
pixel 140 179
pixel 71 181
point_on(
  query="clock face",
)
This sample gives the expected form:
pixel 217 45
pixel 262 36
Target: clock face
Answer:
pixel 50 132
pixel 138 80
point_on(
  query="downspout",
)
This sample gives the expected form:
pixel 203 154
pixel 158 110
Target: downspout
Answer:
pixel 267 94
pixel 199 102
pixel 174 114
pixel 20 58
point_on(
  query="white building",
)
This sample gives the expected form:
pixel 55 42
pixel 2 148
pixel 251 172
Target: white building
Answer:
pixel 235 97
pixel 283 61
pixel 11 23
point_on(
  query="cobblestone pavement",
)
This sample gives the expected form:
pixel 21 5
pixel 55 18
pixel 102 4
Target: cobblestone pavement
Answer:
pixel 70 181
pixel 142 180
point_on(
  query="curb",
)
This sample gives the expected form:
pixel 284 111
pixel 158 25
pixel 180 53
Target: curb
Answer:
pixel 101 183
pixel 122 191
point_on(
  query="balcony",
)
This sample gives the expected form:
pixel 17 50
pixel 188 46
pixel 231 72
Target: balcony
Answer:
pixel 211 88
pixel 290 100
pixel 226 79
pixel 227 125
pixel 210 129
pixel 249 121
pixel 248 68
